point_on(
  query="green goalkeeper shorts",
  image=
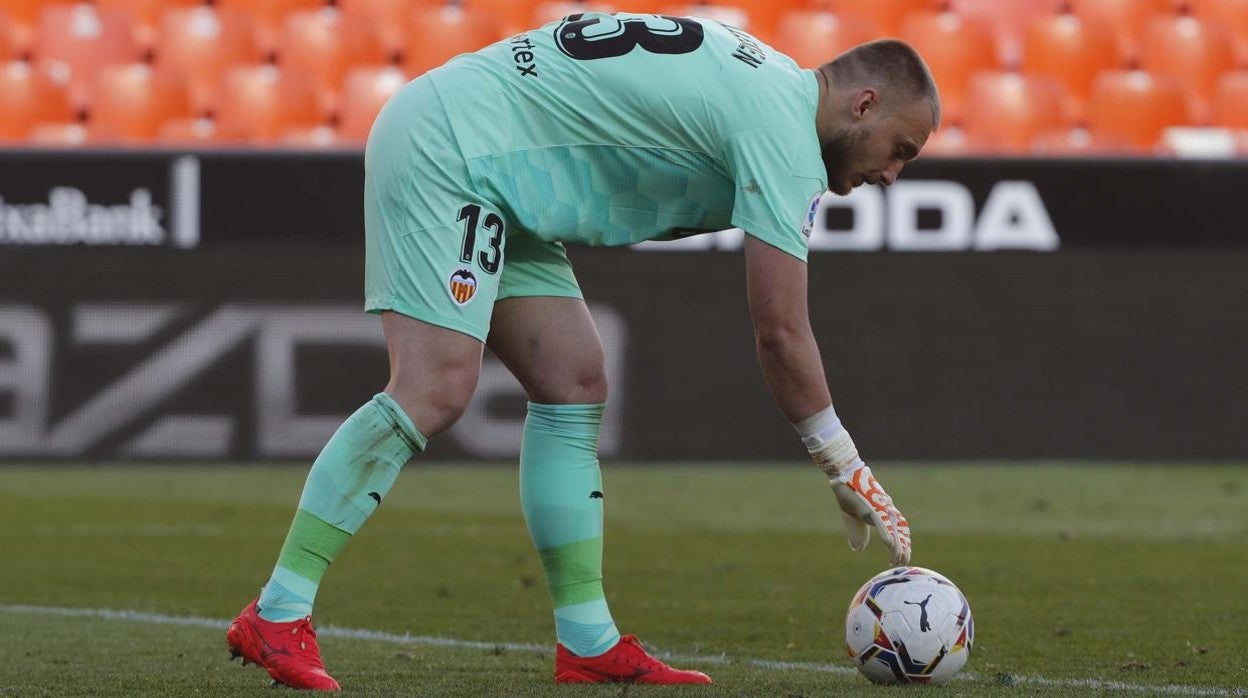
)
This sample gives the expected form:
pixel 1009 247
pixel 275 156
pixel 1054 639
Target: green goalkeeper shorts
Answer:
pixel 435 249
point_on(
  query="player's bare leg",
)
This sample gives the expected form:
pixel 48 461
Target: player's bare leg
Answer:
pixel 433 372
pixel 553 348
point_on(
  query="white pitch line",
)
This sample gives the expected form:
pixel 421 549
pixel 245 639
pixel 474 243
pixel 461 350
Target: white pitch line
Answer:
pixel 771 665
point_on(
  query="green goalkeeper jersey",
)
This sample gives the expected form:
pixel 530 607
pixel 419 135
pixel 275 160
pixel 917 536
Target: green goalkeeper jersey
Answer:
pixel 611 129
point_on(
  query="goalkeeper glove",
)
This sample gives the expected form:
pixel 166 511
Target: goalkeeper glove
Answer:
pixel 864 503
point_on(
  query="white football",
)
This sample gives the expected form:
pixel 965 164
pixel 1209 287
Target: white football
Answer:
pixel 909 625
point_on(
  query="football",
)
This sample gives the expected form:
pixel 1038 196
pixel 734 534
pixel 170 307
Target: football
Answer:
pixel 909 625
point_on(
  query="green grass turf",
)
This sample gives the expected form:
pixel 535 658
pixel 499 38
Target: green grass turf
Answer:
pixel 1127 574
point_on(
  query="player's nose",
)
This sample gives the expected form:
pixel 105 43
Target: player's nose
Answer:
pixel 890 173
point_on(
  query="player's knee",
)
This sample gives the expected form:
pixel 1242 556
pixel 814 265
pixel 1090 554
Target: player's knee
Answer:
pixel 585 383
pixel 443 410
pixel 434 404
pixel 591 383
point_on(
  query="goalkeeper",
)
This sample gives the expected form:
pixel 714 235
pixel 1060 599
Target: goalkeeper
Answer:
pixel 599 129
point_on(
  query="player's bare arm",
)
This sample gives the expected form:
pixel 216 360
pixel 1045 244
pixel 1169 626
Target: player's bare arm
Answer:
pixel 789 357
pixel 787 351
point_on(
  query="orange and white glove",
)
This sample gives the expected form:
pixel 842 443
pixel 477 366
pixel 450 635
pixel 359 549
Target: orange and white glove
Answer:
pixel 864 503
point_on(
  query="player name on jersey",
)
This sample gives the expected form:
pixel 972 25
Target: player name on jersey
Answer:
pixel 748 51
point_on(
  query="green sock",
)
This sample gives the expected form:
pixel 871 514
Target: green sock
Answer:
pixel 561 495
pixel 347 482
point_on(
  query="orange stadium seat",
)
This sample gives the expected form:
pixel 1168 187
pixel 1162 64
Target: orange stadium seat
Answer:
pixel 437 34
pixel 82 39
pixel 1230 102
pixel 954 48
pixel 945 141
pixel 1080 142
pixel 22 15
pixel 1136 106
pixel 194 133
pixel 813 38
pixel 8 39
pixel 1126 17
pixel 512 16
pixel 67 134
pixel 1194 52
pixel 145 14
pixel 1231 14
pixel 268 15
pixel 1008 20
pixel 32 95
pixel 131 102
pixel 385 19
pixel 199 43
pixel 1010 110
pixel 1072 49
pixel 309 137
pixel 319 44
pixel 364 93
pixel 886 14
pixel 257 103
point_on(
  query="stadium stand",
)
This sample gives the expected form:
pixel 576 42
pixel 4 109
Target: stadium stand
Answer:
pixel 1136 106
pixel 8 43
pixel 1230 101
pixel 813 37
pixel 257 104
pixel 1011 111
pixel 955 47
pixel 20 19
pixel 384 20
pixel 1127 17
pixel 32 95
pixel 129 103
pixel 130 72
pixel 1231 14
pixel 435 34
pixel 887 14
pixel 1007 20
pixel 198 44
pixel 268 15
pixel 1193 52
pixel 363 94
pixel 1074 50
pixel 320 45
pixel 80 40
pixel 145 14
pixel 728 14
pixel 59 135
pixel 188 133
pixel 760 16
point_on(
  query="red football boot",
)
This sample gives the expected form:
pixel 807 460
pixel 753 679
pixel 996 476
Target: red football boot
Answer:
pixel 627 662
pixel 287 651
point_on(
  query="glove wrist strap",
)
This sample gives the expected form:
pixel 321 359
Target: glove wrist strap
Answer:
pixel 829 444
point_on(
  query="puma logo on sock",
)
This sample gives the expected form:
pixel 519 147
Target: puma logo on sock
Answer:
pixel 376 496
pixel 595 495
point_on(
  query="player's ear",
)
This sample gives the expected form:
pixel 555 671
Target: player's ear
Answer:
pixel 864 101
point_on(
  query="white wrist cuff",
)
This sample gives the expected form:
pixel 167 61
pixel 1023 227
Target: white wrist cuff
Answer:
pixel 829 444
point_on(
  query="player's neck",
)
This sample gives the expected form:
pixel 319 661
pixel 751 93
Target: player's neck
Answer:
pixel 825 113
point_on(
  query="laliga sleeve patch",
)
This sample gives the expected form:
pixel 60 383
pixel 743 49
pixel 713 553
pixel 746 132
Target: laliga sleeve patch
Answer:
pixel 808 225
pixel 462 286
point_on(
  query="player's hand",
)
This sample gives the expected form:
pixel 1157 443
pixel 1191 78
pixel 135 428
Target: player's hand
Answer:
pixel 865 505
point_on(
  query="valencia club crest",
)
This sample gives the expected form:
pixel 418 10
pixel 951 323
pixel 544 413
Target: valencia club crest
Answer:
pixel 463 286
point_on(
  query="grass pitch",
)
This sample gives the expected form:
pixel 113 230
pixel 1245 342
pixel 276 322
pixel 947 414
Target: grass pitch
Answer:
pixel 1083 578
